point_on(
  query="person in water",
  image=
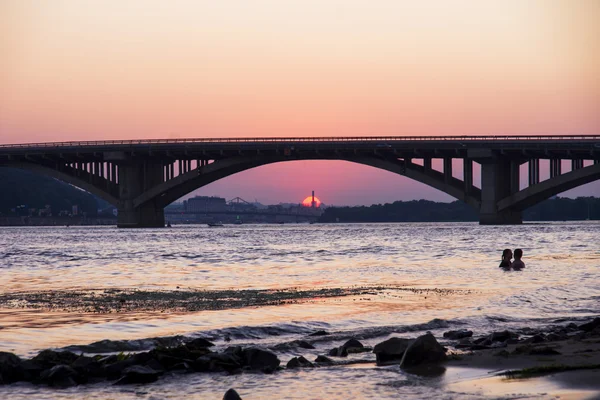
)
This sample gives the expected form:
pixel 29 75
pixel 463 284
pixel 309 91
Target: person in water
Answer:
pixel 506 256
pixel 518 264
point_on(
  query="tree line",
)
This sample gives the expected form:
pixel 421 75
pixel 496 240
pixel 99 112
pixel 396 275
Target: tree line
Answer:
pixel 554 209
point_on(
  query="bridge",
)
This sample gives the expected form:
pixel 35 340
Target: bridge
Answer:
pixel 141 177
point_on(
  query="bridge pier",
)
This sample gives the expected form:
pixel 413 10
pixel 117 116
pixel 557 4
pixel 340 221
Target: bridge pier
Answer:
pixel 499 179
pixel 135 177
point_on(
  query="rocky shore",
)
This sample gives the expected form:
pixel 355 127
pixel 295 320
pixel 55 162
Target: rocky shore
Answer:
pixel 521 353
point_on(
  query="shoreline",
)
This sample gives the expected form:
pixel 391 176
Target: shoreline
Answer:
pixel 522 360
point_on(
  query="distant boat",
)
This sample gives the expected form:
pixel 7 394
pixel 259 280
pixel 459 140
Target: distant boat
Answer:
pixel 214 224
pixel 238 222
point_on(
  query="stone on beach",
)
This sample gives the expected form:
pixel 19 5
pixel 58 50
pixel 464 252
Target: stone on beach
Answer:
pixel 324 360
pixel 590 326
pixel 10 370
pixel 319 333
pixel 199 343
pixel 62 376
pixel 423 350
pixel 457 335
pixel 137 374
pixel 231 394
pixel 299 362
pixel 50 358
pixel 259 359
pixel 391 350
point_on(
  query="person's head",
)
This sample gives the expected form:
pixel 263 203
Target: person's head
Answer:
pixel 518 254
pixel 506 254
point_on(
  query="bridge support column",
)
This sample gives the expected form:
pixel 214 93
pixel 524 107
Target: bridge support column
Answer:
pixel 135 177
pixel 498 180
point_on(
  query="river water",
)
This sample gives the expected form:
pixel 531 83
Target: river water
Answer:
pixel 413 278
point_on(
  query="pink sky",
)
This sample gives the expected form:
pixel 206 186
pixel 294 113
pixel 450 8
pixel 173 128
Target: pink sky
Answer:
pixel 87 70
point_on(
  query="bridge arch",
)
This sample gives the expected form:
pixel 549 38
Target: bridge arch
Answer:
pixel 71 179
pixel 173 189
pixel 534 194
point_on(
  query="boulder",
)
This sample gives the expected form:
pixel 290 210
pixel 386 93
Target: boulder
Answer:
pixel 31 370
pixel 199 343
pixel 89 367
pixel 354 346
pixel 338 352
pixel 259 359
pixel 50 358
pixel 319 333
pixel 539 338
pixel 457 335
pixel 231 394
pixel 294 344
pixel 502 336
pixel 590 326
pixel 423 350
pixel 62 376
pixel 115 370
pixel 218 362
pixel 299 362
pixel 324 360
pixel 137 374
pixel 10 368
pixel 391 350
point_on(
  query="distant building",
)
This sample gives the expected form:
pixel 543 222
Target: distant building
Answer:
pixel 206 204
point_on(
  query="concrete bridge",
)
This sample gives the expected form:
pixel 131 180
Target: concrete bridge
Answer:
pixel 141 177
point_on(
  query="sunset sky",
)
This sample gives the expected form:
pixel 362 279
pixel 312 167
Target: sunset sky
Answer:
pixel 91 70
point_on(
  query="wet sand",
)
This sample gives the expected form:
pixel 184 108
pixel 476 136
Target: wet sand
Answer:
pixel 565 369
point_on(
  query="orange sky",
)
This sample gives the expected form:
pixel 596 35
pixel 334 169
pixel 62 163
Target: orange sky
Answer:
pixel 84 69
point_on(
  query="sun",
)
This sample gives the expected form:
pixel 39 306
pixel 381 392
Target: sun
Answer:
pixel 307 202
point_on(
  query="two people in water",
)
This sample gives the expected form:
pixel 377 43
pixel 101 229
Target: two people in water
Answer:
pixel 506 262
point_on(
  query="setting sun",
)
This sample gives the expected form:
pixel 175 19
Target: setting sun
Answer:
pixel 307 202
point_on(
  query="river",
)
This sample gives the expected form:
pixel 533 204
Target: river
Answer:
pixel 397 279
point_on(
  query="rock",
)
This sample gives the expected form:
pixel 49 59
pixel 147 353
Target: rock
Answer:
pixel 231 394
pixel 10 368
pixel 89 367
pixel 502 336
pixel 459 334
pixel 299 362
pixel 31 370
pixel 338 352
pixel 324 360
pixel 62 376
pixel 303 344
pixel 480 340
pixel 199 343
pixel 353 343
pixel 539 338
pixel 319 333
pixel 294 344
pixel 259 359
pixel 391 350
pixel 115 370
pixel 423 350
pixel 50 358
pixel 572 326
pixel 218 362
pixel 137 374
pixel 590 326
pixel 155 365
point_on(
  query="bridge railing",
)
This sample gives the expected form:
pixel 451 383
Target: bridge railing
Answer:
pixel 292 140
